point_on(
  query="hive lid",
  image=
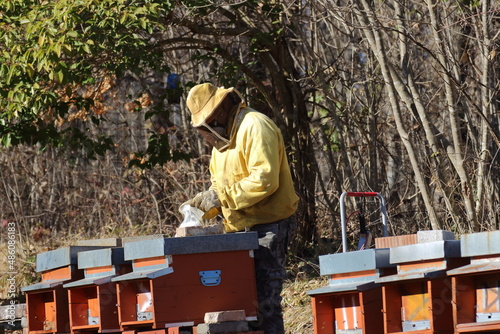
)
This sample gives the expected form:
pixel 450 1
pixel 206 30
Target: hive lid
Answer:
pixel 482 243
pixel 60 257
pixel 191 245
pixel 425 251
pixel 348 262
pixel 101 258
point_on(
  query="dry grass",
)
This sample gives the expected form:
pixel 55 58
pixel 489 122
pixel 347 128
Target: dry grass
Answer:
pixel 297 312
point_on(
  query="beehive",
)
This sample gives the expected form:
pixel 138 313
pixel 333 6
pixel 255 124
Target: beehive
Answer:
pixel 47 301
pixel 476 287
pixel 92 300
pixel 352 302
pixel 418 297
pixel 175 281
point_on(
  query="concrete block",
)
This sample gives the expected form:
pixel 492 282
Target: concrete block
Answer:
pixel 12 311
pixel 396 241
pixel 434 235
pixel 108 242
pixel 223 327
pixel 233 315
pixel 199 230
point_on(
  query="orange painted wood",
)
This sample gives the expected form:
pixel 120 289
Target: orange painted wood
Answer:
pixel 130 294
pixel 354 274
pixel 98 270
pixel 412 266
pixel 392 308
pixel 350 310
pixel 183 297
pixel 151 261
pixel 415 302
pixel 480 327
pixel 47 311
pixel 157 331
pixel 418 300
pixel 464 300
pixel 475 293
pixel 174 330
pixel 441 308
pixel 487 294
pixel 98 301
pixel 348 314
pixel 371 301
pixel 180 295
pixel 78 306
pixel 323 314
pixel 60 274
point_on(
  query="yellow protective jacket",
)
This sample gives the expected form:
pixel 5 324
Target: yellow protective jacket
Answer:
pixel 252 177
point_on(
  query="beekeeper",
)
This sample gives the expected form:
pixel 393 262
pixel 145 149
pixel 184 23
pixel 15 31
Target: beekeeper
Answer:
pixel 251 185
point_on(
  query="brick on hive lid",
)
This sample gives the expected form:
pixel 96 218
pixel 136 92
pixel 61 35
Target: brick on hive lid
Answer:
pixel 223 327
pixel 222 316
pixel 199 230
pixel 396 241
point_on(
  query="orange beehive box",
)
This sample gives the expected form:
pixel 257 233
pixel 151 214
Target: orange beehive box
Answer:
pixel 92 300
pixel 352 302
pixel 476 287
pixel 175 281
pixel 47 301
pixel 418 297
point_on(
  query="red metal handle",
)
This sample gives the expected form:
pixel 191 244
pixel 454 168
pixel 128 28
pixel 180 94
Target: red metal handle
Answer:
pixel 361 194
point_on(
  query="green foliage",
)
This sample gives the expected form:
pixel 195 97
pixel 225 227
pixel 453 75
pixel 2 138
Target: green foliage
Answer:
pixel 51 52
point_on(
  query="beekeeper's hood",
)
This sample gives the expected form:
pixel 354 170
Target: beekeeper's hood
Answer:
pixel 203 100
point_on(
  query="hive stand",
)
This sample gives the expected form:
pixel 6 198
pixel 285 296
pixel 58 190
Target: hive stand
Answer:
pixel 418 298
pixel 352 302
pixel 175 281
pixel 47 301
pixel 92 300
pixel 476 287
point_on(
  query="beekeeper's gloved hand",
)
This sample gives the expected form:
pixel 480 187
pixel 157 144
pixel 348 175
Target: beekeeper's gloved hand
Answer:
pixel 204 201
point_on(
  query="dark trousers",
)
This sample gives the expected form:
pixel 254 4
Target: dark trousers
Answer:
pixel 271 272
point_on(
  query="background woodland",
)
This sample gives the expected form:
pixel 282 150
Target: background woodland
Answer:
pixel 399 97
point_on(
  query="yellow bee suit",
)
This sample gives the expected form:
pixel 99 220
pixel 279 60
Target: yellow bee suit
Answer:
pixel 252 177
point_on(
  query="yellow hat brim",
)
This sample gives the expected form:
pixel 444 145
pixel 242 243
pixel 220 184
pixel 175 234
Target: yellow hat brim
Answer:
pixel 203 100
